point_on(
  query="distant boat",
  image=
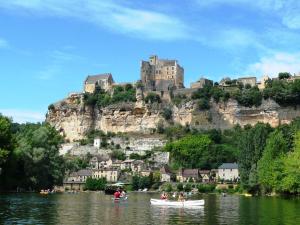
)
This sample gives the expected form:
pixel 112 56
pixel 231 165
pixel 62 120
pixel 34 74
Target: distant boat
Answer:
pixel 187 203
pixel 248 195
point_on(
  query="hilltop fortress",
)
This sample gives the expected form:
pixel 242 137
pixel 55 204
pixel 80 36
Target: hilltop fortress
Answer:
pixel 159 99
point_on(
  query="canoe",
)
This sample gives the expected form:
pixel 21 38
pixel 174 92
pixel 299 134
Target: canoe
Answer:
pixel 248 195
pixel 177 203
pixel 120 199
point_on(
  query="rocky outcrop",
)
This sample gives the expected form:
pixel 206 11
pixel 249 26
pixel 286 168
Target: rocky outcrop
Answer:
pixel 74 119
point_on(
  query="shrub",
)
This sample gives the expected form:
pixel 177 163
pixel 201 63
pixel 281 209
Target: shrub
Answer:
pixel 152 97
pixel 203 188
pixel 95 184
pixel 180 187
pixel 167 113
pixel 51 107
pixel 168 188
pixel 187 187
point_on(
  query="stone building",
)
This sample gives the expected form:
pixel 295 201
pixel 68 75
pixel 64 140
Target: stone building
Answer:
pixel 111 174
pixel 200 83
pixel 99 161
pixel 161 74
pixel 262 83
pixel 104 81
pixel 247 80
pixel 76 180
pixel 185 175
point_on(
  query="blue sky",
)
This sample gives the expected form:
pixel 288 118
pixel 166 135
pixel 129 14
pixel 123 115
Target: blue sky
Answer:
pixel 47 48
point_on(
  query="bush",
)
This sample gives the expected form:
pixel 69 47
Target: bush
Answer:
pixel 180 187
pixel 187 187
pixel 152 97
pixel 204 188
pixel 155 186
pixel 203 104
pixel 167 113
pixel 95 184
pixel 117 154
pixel 51 107
pixel 168 188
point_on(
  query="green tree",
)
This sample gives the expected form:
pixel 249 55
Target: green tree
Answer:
pixel 251 143
pixel 284 75
pixel 191 151
pixel 6 139
pixel 270 165
pixel 291 162
pixel 95 184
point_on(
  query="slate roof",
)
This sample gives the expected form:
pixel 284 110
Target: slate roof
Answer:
pixel 92 79
pixel 229 166
pixel 189 172
pixel 83 172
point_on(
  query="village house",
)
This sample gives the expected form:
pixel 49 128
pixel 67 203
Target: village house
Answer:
pixel 137 166
pixel 166 173
pixel 76 180
pixel 228 172
pixel 205 176
pixel 117 164
pixel 127 164
pixel 247 81
pixel 145 173
pixel 186 175
pixel 100 161
pixel 111 174
pixel 103 81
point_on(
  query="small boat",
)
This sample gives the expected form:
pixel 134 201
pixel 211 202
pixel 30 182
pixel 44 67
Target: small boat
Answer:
pixel 248 195
pixel 120 199
pixel 187 203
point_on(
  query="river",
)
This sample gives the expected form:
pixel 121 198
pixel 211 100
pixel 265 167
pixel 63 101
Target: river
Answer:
pixel 97 208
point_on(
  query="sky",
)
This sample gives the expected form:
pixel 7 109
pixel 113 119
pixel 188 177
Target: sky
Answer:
pixel 48 47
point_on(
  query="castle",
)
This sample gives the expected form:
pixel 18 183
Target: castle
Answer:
pixel 161 74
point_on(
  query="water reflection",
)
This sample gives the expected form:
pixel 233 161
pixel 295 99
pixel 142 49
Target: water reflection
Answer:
pixel 97 208
pixel 168 215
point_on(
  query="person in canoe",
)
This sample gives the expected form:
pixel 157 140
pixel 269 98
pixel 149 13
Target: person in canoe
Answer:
pixel 181 197
pixel 117 194
pixel 164 196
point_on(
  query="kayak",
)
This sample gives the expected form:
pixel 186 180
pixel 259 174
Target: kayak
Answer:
pixel 177 203
pixel 120 199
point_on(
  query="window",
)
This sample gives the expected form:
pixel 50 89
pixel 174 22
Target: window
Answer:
pixel 230 170
pixel 172 67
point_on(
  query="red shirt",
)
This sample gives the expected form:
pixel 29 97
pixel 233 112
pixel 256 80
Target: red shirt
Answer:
pixel 117 194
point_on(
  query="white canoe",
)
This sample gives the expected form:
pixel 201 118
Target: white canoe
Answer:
pixel 177 203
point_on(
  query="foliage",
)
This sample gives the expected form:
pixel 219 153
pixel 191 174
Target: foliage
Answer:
pixel 251 143
pixel 95 184
pixel 190 151
pixel 248 97
pixel 102 98
pixel 204 188
pixel 118 154
pixel 284 75
pixel 152 97
pixel 187 187
pixel 168 187
pixel 179 187
pixel 73 164
pixel 283 92
pixel 51 107
pixel 35 162
pixel 270 166
pixel 167 113
pixel 141 182
pixel 6 139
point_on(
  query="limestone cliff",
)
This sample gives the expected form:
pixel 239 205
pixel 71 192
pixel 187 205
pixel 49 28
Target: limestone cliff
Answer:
pixel 74 119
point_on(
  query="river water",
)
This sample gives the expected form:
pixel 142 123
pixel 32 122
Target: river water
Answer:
pixel 97 208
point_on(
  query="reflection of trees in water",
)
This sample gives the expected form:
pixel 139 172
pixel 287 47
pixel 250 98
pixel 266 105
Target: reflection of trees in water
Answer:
pixel 228 209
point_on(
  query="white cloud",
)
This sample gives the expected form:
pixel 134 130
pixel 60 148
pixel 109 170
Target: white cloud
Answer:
pixel 275 63
pixel 3 43
pixel 23 116
pixel 118 18
pixel 286 10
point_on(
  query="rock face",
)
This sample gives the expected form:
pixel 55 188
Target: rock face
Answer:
pixel 73 119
